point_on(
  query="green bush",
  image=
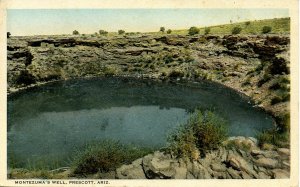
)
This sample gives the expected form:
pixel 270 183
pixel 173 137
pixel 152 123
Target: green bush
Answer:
pixel 103 32
pixel 266 77
pixel 75 32
pixel 194 30
pixel 169 31
pixel 279 66
pixel 236 30
pixel 247 23
pixel 176 74
pixel 105 156
pixel 266 29
pixel 281 96
pixel 25 78
pixel 280 83
pixel 274 137
pixel 120 32
pixel 207 30
pixel 204 131
pixel 168 58
pixel 283 122
pixel 162 29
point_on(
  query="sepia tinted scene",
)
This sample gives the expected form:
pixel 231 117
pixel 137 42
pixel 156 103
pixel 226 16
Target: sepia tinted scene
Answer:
pixel 148 94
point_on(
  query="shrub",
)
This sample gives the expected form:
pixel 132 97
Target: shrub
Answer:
pixel 204 131
pixel 281 83
pixel 283 122
pixel 194 30
pixel 236 30
pixel 168 58
pixel 266 29
pixel 162 29
pixel 169 31
pixel 279 66
pixel 25 78
pixel 266 77
pixel 103 32
pixel 207 30
pixel 120 32
pixel 176 74
pixel 75 32
pixel 272 136
pixel 247 23
pixel 281 96
pixel 276 100
pixel 202 40
pixel 105 156
pixel 8 34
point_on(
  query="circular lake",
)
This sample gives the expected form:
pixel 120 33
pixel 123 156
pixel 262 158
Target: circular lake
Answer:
pixel 47 124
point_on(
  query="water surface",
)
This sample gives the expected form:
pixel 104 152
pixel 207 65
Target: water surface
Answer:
pixel 47 123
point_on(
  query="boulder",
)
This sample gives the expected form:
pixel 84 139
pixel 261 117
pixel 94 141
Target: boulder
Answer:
pixel 267 154
pixel 267 163
pixel 199 171
pixel 262 175
pixel 283 151
pixel 159 166
pixel 219 167
pixel 280 174
pixel 239 163
pixel 132 171
pixel 233 173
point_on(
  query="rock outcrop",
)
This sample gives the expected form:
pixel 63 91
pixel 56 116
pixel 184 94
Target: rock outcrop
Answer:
pixel 224 163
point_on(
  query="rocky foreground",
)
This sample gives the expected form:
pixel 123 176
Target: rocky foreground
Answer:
pixel 237 162
pixel 238 158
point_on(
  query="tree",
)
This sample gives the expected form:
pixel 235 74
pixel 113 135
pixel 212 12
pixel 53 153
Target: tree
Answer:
pixel 266 29
pixel 194 30
pixel 103 32
pixel 169 31
pixel 8 34
pixel 206 30
pixel 236 30
pixel 162 29
pixel 121 32
pixel 75 32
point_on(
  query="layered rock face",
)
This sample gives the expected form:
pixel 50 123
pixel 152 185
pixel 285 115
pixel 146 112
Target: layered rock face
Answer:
pixel 257 66
pixel 225 163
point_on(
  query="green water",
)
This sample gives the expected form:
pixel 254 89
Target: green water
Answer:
pixel 48 123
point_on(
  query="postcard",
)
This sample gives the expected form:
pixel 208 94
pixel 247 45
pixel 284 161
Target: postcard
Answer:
pixel 149 93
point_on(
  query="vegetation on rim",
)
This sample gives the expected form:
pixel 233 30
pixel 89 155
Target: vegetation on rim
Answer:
pixel 278 25
pixel 105 156
pixel 194 30
pixel 205 130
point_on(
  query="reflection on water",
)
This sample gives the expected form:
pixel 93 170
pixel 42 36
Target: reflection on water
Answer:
pixel 49 122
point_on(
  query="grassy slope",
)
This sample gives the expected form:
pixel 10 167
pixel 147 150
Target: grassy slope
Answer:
pixel 279 26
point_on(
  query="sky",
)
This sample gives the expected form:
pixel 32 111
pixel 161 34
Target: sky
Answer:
pixel 21 22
